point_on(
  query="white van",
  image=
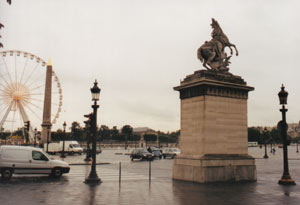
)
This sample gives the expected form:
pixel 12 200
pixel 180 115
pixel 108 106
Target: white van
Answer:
pixel 29 160
pixel 71 147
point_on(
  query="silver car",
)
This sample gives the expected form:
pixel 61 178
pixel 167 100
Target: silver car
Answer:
pixel 170 152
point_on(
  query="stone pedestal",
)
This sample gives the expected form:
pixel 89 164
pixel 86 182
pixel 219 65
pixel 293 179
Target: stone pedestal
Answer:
pixel 214 130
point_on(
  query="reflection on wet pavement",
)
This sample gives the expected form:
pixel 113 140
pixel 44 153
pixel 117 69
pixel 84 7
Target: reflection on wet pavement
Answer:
pixel 135 187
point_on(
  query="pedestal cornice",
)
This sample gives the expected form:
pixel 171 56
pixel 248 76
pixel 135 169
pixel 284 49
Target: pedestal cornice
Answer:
pixel 204 82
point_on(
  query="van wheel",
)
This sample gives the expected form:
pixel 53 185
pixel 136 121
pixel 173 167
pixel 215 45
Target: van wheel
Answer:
pixel 6 173
pixel 56 172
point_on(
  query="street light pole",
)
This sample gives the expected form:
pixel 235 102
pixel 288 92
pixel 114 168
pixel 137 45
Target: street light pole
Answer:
pixel 93 177
pixel 88 137
pixel 286 178
pixel 64 137
pixel 35 132
pixel 265 141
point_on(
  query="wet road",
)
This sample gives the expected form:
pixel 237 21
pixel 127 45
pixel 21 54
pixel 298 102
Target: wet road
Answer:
pixel 135 187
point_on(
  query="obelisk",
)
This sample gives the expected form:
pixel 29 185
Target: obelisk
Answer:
pixel 46 125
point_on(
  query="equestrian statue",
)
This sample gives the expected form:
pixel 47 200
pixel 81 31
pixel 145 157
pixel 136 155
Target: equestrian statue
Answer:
pixel 212 53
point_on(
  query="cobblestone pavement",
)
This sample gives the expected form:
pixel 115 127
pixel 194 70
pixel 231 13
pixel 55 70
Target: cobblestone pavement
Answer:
pixel 135 187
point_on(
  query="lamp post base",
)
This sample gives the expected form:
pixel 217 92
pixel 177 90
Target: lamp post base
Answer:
pixel 286 180
pixel 93 180
pixel 266 157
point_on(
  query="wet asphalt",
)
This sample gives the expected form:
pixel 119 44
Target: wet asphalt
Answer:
pixel 135 186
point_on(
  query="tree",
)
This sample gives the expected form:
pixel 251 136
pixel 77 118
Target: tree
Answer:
pixel 254 134
pixel 57 136
pixel 150 138
pixel 77 132
pixel 104 133
pixel 265 136
pixel 174 137
pixel 115 135
pixel 275 136
pixel 127 131
pixel 1 25
pixel 135 138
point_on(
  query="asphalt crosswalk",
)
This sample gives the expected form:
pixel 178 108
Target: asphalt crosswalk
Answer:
pixel 107 174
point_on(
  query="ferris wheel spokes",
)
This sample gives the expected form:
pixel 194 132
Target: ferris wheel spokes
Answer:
pixel 25 65
pixel 5 65
pixel 6 114
pixel 25 119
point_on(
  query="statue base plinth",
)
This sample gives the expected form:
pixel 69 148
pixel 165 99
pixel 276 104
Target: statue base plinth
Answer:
pixel 214 168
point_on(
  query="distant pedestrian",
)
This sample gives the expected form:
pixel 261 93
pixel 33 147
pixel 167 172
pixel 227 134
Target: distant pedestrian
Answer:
pixel 273 150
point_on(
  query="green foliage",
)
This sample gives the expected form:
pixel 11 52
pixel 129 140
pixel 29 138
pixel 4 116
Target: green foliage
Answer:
pixel 4 135
pixel 127 130
pixel 119 137
pixel 172 137
pixel 275 136
pixel 150 137
pixel 254 134
pixel 134 137
pixel 104 133
pixel 77 132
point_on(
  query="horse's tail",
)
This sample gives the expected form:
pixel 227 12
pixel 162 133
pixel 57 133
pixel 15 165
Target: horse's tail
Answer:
pixel 199 55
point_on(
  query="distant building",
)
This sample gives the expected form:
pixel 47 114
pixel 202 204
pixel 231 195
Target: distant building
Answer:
pixel 142 131
pixel 293 129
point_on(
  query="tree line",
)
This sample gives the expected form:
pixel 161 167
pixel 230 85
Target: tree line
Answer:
pixel 264 136
pixel 104 133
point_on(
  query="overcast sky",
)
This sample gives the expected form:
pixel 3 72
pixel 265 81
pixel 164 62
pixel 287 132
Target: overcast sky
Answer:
pixel 139 50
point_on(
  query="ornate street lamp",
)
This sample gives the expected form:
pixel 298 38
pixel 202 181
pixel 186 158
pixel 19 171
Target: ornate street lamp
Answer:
pixel 93 177
pixel 282 125
pixel 265 133
pixel 64 138
pixel 35 132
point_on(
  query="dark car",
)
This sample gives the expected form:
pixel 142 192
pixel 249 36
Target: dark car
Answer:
pixel 156 152
pixel 141 153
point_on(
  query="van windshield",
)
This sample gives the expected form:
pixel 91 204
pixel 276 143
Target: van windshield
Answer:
pixel 75 145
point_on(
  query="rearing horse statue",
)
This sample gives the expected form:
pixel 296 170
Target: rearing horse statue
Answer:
pixel 212 53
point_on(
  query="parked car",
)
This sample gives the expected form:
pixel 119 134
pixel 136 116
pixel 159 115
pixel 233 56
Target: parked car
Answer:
pixel 141 153
pixel 156 152
pixel 170 152
pixel 29 160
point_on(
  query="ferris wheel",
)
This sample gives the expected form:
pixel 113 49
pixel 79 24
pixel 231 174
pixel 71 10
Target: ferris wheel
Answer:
pixel 22 88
